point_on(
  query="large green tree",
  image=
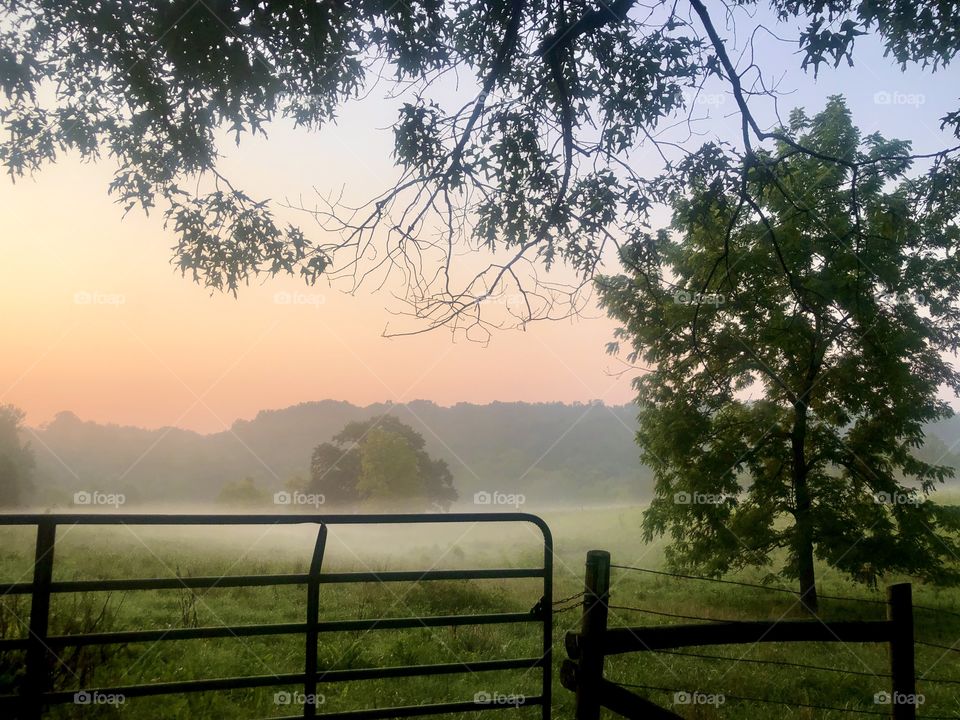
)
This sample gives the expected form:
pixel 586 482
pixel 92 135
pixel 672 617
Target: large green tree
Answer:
pixel 796 333
pixel 383 462
pixel 527 154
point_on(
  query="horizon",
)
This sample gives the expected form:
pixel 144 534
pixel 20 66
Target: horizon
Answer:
pixel 367 406
pixel 360 406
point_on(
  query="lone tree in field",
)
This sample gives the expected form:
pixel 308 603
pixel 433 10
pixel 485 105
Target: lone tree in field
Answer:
pixel 515 128
pixel 381 462
pixel 796 332
pixel 243 493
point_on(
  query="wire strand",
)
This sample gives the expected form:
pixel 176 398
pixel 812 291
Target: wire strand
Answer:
pixel 872 601
pixel 785 663
pixel 683 576
pixel 806 666
pixel 942 611
pixel 667 614
pixel 949 648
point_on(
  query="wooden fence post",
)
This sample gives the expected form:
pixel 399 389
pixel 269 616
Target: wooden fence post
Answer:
pixel 902 666
pixel 593 627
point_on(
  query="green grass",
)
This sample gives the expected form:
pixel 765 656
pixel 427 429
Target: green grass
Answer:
pixel 85 552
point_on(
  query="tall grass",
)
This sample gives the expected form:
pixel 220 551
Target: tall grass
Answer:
pixel 165 552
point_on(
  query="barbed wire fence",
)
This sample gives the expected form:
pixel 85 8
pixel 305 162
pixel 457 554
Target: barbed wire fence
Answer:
pixel 579 600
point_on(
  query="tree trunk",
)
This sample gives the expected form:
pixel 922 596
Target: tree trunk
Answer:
pixel 803 531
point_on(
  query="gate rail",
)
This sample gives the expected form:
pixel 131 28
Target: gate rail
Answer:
pixel 39 644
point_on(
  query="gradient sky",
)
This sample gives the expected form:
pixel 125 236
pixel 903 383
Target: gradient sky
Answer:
pixel 153 349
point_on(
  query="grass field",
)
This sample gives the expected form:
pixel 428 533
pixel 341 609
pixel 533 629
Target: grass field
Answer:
pixel 88 553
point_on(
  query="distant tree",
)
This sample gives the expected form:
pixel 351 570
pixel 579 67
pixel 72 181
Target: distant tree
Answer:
pixel 10 495
pixel 16 459
pixel 244 492
pixel 380 460
pixel 796 333
pixel 334 470
pixel 390 473
pixel 296 483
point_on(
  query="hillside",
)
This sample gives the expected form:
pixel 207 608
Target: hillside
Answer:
pixel 552 453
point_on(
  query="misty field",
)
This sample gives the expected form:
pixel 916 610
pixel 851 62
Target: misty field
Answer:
pixel 127 552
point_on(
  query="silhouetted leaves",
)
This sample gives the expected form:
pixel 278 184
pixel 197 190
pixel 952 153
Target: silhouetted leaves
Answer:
pixel 536 163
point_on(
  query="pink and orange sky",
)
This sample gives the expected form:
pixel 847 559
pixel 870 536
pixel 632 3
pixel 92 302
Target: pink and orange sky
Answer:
pixel 144 346
pixel 172 354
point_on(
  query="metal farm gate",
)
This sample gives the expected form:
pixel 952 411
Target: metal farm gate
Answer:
pixel 37 695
